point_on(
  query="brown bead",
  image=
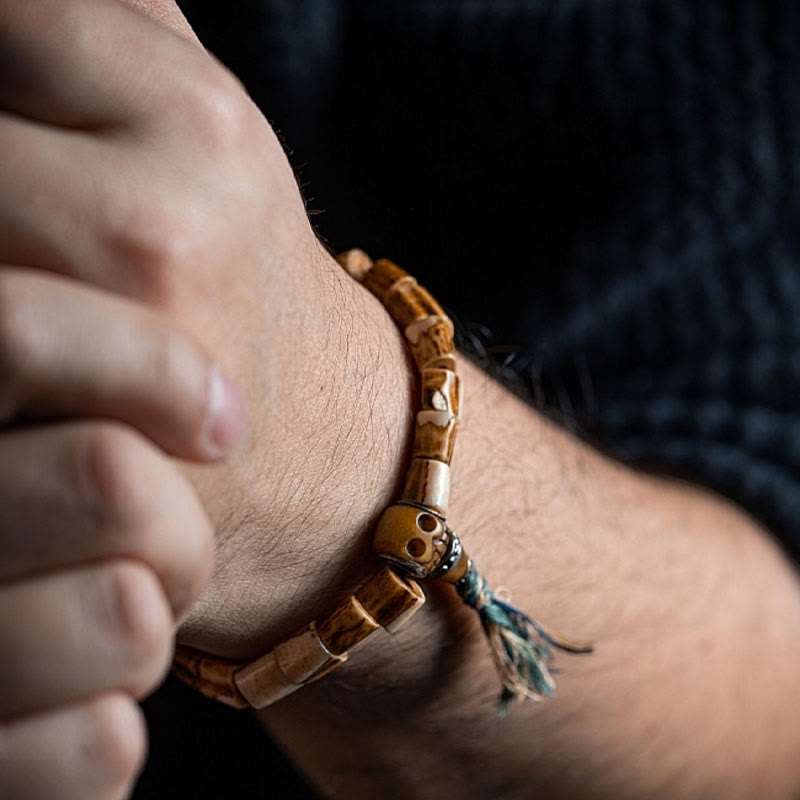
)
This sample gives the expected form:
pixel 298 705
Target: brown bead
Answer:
pixel 209 675
pixel 408 302
pixel 390 599
pixel 383 276
pixel 440 390
pixel 443 362
pixel 428 484
pixel 430 339
pixel 435 435
pixel 411 538
pixel 349 624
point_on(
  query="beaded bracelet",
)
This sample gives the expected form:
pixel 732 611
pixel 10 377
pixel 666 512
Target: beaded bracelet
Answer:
pixel 412 536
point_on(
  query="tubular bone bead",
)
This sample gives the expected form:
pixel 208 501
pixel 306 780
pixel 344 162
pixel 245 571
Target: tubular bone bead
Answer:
pixel 409 302
pixel 210 675
pixel 298 660
pixel 390 599
pixel 431 342
pixel 440 390
pixel 383 276
pixel 428 484
pixel 435 435
pixel 356 263
pixel 349 624
pixel 263 683
pixel 443 362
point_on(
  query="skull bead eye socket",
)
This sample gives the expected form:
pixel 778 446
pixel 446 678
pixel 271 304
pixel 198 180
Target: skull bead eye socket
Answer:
pixel 427 523
pixel 415 548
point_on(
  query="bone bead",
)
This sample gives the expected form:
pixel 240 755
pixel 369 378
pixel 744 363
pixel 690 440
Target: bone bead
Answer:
pixel 440 390
pixel 356 263
pixel 447 362
pixel 429 340
pixel 390 599
pixel 298 660
pixel 385 275
pixel 408 302
pixel 349 624
pixel 428 484
pixel 209 675
pixel 263 683
pixel 435 435
pixel 411 538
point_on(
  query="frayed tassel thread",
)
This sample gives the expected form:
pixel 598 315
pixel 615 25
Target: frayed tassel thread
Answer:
pixel 520 647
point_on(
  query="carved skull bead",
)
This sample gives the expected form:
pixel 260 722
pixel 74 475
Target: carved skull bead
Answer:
pixel 413 538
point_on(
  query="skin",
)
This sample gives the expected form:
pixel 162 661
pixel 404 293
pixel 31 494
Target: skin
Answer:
pixel 151 217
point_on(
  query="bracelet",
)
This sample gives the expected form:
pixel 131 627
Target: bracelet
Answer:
pixel 412 536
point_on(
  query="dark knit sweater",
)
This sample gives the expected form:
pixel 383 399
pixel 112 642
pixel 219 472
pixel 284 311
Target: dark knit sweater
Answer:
pixel 611 187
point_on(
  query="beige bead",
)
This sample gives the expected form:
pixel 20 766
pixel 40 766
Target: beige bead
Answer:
pixel 298 660
pixel 428 484
pixel 356 263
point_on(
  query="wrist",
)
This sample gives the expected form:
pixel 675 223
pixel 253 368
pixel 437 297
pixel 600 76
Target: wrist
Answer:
pixel 332 427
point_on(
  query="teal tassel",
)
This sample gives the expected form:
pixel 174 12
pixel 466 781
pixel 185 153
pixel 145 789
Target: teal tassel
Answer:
pixel 521 648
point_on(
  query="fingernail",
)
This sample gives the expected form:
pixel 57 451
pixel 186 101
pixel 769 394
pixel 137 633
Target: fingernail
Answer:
pixel 226 418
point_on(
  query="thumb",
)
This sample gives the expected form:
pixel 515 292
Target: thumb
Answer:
pixel 167 13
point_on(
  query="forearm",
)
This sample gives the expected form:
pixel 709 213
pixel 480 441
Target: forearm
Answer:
pixel 694 612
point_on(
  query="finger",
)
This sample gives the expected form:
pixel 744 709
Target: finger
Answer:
pixel 54 204
pixel 70 350
pixel 86 63
pixel 68 635
pixel 120 211
pixel 91 751
pixel 83 492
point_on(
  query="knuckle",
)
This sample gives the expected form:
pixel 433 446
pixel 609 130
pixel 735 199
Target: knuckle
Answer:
pixel 142 508
pixel 220 110
pixel 196 563
pixel 19 342
pixel 118 740
pixel 157 243
pixel 114 466
pixel 143 623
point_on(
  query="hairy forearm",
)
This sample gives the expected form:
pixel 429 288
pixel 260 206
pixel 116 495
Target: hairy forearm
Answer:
pixel 694 612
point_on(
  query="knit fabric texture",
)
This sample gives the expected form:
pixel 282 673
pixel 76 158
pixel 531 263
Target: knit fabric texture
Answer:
pixel 609 186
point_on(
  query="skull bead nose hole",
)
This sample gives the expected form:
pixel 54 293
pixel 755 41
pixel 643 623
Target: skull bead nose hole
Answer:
pixel 427 523
pixel 415 547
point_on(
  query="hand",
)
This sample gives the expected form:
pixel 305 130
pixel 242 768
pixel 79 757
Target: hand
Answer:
pixel 146 172
pixel 105 544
